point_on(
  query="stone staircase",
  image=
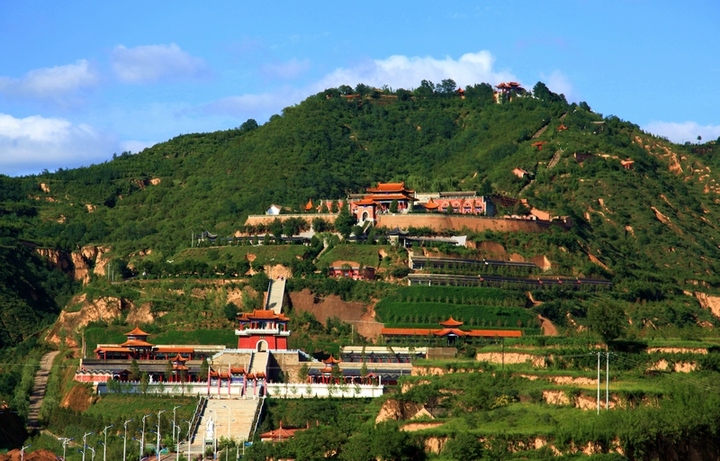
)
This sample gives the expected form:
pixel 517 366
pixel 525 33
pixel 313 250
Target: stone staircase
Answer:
pixel 242 414
pixel 276 293
pixel 259 362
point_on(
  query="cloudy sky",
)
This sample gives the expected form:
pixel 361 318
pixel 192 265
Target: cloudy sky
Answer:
pixel 81 80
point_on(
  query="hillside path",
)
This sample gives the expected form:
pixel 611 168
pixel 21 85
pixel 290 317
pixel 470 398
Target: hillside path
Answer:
pixel 39 387
pixel 547 327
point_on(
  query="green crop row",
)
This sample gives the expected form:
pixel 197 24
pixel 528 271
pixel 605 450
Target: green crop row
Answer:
pixel 476 316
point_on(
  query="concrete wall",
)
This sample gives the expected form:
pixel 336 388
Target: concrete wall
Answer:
pixel 254 220
pixel 440 222
pixel 300 391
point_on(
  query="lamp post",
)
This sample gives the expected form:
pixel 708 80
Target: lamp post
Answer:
pixel 85 444
pixel 189 423
pixel 158 434
pixel 177 449
pixel 142 439
pixel 64 441
pixel 214 418
pixel 93 453
pixel 124 440
pixel 22 452
pixel 174 410
pixel 105 442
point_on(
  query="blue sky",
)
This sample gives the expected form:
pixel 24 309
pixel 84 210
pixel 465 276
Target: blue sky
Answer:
pixel 82 80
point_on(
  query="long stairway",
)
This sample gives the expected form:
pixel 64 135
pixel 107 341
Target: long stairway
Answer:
pixel 259 362
pixel 276 293
pixel 242 413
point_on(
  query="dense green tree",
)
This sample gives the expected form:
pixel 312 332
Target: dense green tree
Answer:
pixel 607 319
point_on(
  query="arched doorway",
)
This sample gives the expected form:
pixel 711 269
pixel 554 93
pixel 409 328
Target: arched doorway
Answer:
pixel 262 346
pixel 365 216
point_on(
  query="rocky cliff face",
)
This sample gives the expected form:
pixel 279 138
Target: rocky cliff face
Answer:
pixel 81 311
pixel 81 263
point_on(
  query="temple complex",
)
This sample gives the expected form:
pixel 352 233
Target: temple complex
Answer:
pixel 377 200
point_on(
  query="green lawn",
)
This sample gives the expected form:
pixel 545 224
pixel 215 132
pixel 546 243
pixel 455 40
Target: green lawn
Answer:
pixel 366 255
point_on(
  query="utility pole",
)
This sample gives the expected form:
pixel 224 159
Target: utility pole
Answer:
pixel 598 384
pixel 607 381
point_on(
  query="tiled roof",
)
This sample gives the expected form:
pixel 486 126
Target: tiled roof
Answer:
pixel 451 323
pixel 178 350
pixel 135 343
pixel 450 331
pixel 388 187
pixel 498 333
pixel 137 332
pixel 263 314
pixel 113 349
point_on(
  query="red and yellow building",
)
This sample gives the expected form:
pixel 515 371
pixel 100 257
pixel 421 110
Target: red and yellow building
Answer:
pixel 263 330
pixel 377 200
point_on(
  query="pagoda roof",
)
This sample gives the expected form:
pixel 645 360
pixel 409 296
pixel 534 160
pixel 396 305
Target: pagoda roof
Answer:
pixel 136 343
pixel 237 370
pixel 309 206
pixel 263 314
pixel 281 433
pixel 332 360
pixel 431 205
pixel 384 197
pixel 179 358
pixel 389 187
pixel 137 332
pixel 451 323
pixel 450 331
pixel 180 367
pixel 366 202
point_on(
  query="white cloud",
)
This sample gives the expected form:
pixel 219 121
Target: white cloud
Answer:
pixel 135 146
pixel 559 83
pixel 683 132
pixel 34 143
pixel 151 63
pixel 395 71
pixel 407 72
pixel 54 83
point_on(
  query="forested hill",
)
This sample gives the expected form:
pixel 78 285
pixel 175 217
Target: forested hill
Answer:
pixel 652 228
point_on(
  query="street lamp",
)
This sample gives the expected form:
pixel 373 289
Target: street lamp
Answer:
pixel 93 453
pixel 174 410
pixel 124 440
pixel 64 441
pixel 189 423
pixel 214 418
pixel 177 448
pixel 22 452
pixel 85 444
pixel 227 448
pixel 105 443
pixel 142 443
pixel 158 434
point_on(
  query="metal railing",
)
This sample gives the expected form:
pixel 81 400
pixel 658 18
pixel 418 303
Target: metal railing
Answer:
pixel 195 421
